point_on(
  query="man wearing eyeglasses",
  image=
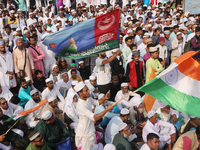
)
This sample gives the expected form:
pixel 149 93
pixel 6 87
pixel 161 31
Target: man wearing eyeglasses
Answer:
pixel 37 142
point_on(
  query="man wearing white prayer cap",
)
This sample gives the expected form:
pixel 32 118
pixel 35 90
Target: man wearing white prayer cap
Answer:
pixel 37 141
pixel 138 114
pixel 94 92
pixel 112 127
pixel 123 92
pixel 122 140
pixel 154 125
pixel 52 106
pixel 52 129
pixel 33 118
pixel 109 147
pixel 85 131
pixel 50 91
pixel 29 83
pixel 55 75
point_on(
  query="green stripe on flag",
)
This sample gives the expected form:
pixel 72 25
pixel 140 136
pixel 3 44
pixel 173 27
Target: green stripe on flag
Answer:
pixel 103 47
pixel 158 89
pixel 20 118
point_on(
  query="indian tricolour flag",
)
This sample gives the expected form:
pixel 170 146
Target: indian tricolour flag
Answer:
pixel 25 113
pixel 178 85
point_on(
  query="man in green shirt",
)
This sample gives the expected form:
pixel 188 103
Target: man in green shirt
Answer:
pixel 153 62
pixel 37 142
pixel 126 50
pixel 122 140
pixel 53 130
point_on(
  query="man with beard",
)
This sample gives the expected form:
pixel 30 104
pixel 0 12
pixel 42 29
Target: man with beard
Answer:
pixel 111 129
pixel 7 78
pixel 128 101
pixel 31 19
pixel 104 74
pixel 122 140
pixel 33 118
pixel 52 129
pixel 94 92
pixel 138 114
pixel 64 84
pixel 24 93
pixel 50 91
pixel 23 62
pixel 37 142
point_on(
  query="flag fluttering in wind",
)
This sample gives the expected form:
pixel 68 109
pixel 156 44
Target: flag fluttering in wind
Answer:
pixel 25 113
pixel 149 100
pixel 178 85
pixel 87 38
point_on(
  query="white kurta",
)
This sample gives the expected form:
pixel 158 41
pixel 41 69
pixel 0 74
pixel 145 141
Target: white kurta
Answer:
pixel 70 110
pixel 6 94
pixel 6 64
pixel 125 103
pixel 31 117
pixel 54 93
pixel 145 147
pixel 62 84
pixel 85 133
pixel 11 109
pixel 150 128
pixel 112 129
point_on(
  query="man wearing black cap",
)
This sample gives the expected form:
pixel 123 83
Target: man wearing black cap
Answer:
pixel 37 142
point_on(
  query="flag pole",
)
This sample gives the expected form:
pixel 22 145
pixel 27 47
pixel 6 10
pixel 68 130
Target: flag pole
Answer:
pixel 125 97
pixel 11 126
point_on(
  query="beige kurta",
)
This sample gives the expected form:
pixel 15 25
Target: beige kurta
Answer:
pixel 19 60
pixel 55 111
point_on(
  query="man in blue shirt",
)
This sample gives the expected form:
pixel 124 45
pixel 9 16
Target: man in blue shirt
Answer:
pixel 24 93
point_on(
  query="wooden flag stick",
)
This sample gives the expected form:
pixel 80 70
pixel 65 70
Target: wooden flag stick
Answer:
pixel 125 97
pixel 11 126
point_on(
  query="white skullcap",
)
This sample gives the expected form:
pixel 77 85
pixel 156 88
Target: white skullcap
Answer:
pixel 124 84
pixel 61 6
pixel 192 117
pixel 129 31
pixel 121 126
pixel 74 82
pixel 151 113
pixel 79 86
pixel 114 50
pixel 57 24
pixel 101 95
pixel 136 100
pixel 177 14
pixel 163 104
pixel 167 19
pixel 91 14
pixel 151 20
pixel 178 33
pixel 81 62
pixel 153 49
pixel 48 80
pixel 34 136
pixel 109 147
pixel 70 19
pixel 26 31
pixel 54 66
pixel 46 12
pixel 30 13
pixel 126 21
pixel 51 99
pixel 12 11
pixel 134 29
pixel 27 79
pixel 124 111
pixel 139 8
pixel 121 36
pixel 137 22
pixel 64 72
pixel 18 29
pixel 167 32
pixel 66 6
pixel 33 92
pixel 19 10
pixel 92 77
pixel 15 32
pixel 46 115
pixel 48 29
pixel 146 35
pixel 6 38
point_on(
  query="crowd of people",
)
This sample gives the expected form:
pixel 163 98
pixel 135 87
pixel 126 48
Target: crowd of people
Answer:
pixel 81 94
